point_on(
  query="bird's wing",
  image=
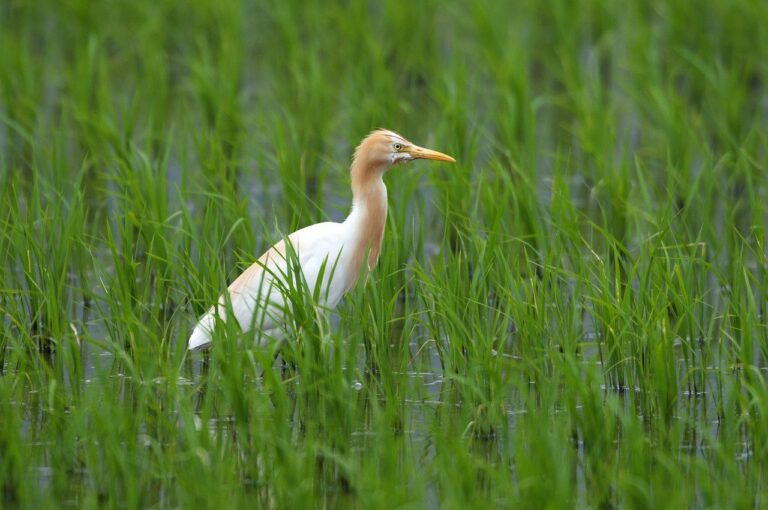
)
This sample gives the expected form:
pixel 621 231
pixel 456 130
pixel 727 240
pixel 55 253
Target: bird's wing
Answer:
pixel 257 288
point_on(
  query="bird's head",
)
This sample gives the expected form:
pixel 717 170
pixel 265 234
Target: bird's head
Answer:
pixel 383 149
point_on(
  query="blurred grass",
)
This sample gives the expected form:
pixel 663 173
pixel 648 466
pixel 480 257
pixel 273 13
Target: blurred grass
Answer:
pixel 572 315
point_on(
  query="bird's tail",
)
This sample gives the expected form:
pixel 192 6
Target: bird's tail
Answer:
pixel 201 336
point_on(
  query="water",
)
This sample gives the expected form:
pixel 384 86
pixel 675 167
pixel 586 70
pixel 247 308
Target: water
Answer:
pixel 427 390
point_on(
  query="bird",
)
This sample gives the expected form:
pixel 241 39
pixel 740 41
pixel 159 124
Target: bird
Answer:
pixel 336 253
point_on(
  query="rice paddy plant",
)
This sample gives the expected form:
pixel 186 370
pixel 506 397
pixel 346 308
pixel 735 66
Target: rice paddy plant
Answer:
pixel 572 315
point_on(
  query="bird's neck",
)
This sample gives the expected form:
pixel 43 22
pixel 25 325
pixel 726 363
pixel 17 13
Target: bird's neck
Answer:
pixel 367 219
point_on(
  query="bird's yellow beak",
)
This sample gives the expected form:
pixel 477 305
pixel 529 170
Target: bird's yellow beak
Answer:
pixel 421 153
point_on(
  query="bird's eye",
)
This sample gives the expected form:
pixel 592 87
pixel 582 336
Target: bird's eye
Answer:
pixel 397 147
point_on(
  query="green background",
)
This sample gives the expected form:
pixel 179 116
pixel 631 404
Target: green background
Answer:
pixel 572 315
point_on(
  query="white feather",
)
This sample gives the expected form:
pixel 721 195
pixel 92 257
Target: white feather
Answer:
pixel 256 290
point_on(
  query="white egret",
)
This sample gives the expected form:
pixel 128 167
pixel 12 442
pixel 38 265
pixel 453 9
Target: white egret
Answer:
pixel 338 248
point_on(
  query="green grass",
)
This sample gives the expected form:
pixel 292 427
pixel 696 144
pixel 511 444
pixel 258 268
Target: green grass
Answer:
pixel 573 315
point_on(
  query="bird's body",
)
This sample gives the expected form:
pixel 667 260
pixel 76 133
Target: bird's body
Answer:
pixel 335 250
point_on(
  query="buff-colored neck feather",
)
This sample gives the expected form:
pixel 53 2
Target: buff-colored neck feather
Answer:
pixel 368 216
